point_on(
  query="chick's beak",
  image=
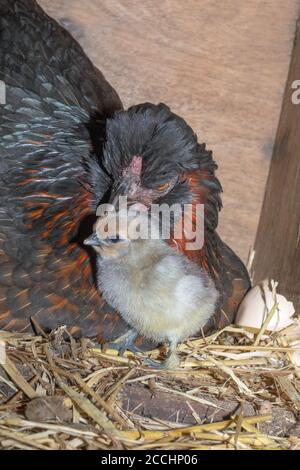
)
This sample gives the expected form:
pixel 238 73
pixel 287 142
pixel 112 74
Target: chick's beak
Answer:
pixel 92 240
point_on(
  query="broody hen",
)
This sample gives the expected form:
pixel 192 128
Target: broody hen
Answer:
pixel 65 147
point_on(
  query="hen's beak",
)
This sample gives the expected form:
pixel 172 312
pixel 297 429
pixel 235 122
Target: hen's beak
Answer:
pixel 93 240
pixel 121 189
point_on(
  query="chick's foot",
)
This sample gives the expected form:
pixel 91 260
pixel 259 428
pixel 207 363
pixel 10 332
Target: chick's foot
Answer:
pixel 124 342
pixel 172 362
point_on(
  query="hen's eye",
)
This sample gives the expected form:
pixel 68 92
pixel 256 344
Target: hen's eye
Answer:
pixel 163 187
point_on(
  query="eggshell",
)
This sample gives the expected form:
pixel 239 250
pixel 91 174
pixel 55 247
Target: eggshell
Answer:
pixel 257 304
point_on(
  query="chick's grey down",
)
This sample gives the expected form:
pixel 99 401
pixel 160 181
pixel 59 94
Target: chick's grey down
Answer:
pixel 158 292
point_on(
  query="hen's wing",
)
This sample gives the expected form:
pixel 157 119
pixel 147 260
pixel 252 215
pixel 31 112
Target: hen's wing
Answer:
pixel 231 278
pixel 219 261
pixel 50 131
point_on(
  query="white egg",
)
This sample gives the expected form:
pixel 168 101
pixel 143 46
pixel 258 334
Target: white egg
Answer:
pixel 257 304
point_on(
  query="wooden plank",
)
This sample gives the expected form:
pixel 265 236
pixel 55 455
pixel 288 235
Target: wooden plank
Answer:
pixel 278 237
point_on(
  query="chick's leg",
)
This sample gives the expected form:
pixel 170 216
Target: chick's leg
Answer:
pixel 124 342
pixel 171 362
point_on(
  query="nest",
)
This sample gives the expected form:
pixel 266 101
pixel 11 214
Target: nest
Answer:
pixel 234 390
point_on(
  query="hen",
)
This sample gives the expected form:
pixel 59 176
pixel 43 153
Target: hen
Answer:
pixel 66 146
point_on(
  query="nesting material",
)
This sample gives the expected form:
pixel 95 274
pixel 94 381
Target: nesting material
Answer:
pixel 233 390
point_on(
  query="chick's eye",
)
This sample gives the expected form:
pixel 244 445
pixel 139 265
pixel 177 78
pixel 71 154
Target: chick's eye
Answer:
pixel 163 187
pixel 115 239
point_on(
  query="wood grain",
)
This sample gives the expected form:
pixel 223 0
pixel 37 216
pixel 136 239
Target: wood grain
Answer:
pixel 222 65
pixel 278 238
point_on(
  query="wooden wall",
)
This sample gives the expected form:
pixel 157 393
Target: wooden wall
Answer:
pixel 278 238
pixel 222 65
